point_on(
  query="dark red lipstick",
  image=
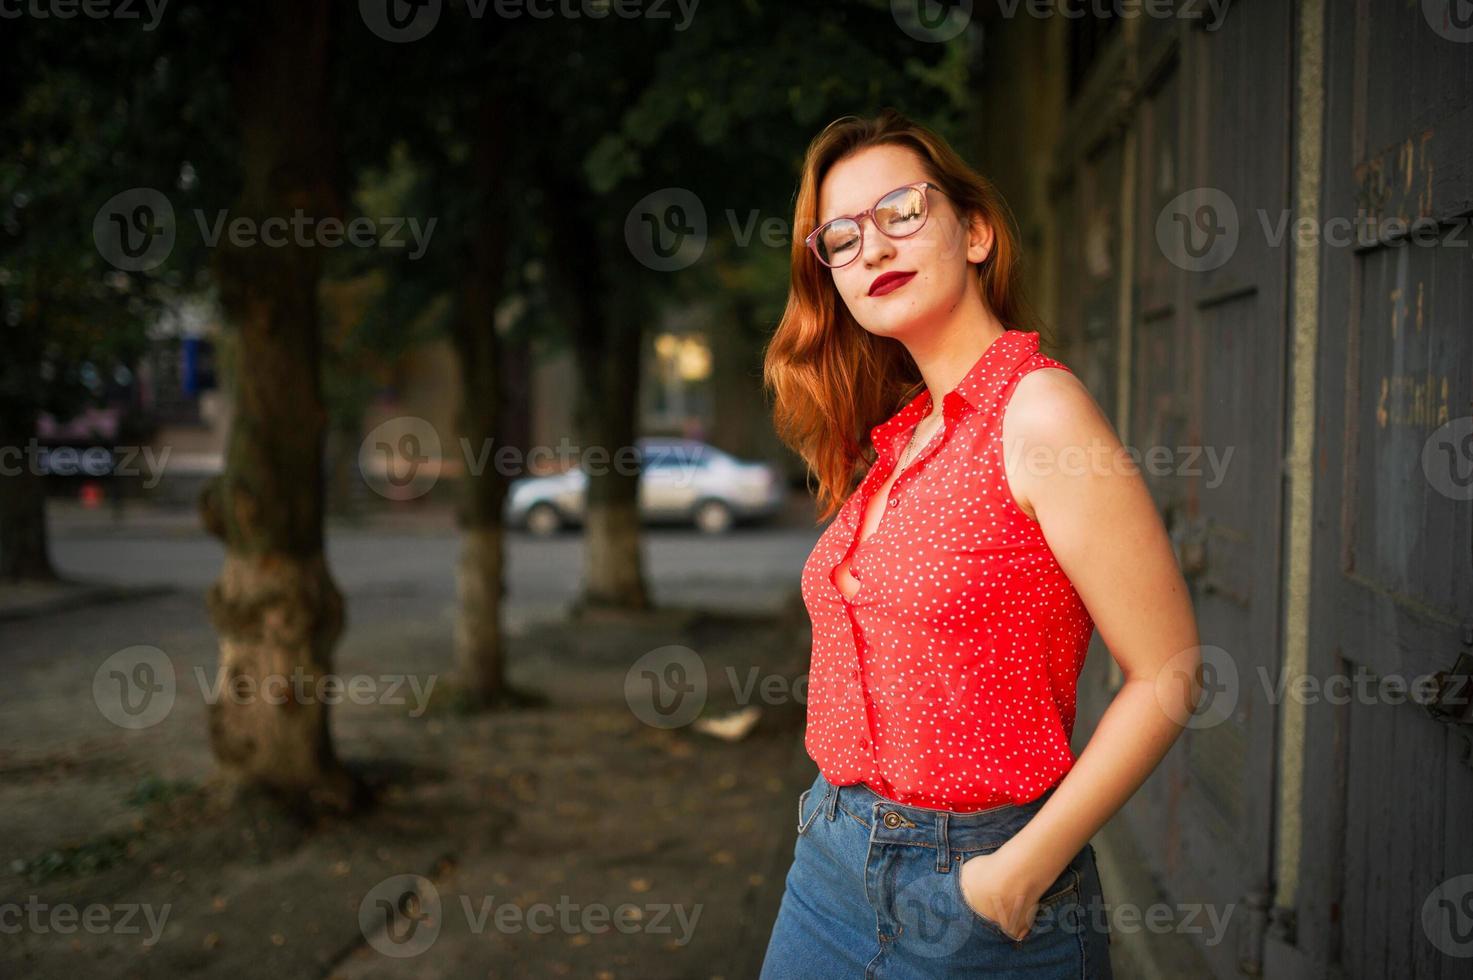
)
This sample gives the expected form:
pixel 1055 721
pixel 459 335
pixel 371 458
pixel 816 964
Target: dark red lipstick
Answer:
pixel 889 282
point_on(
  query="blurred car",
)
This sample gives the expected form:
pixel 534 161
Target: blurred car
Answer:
pixel 681 481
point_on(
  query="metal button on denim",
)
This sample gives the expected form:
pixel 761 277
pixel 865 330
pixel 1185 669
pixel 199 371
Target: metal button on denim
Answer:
pixel 892 819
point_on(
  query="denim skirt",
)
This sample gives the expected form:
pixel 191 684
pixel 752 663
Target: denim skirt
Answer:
pixel 874 891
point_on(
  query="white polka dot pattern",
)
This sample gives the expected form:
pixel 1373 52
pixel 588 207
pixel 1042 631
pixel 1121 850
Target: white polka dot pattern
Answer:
pixel 948 679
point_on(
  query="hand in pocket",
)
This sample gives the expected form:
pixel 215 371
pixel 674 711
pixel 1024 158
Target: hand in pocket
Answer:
pixel 997 893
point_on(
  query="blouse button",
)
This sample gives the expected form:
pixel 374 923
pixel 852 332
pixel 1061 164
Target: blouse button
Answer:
pixel 864 743
pixel 894 501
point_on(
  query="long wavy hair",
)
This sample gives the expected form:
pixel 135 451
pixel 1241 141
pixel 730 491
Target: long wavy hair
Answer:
pixel 832 380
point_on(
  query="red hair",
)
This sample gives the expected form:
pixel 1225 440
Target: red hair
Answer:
pixel 832 380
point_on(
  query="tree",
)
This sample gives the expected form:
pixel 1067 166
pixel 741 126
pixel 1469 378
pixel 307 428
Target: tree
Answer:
pixel 276 606
pixel 68 318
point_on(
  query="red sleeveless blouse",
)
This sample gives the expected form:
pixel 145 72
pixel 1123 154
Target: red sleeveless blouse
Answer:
pixel 948 681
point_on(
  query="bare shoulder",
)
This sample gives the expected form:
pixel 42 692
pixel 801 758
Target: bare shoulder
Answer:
pixel 1050 403
pixel 1050 415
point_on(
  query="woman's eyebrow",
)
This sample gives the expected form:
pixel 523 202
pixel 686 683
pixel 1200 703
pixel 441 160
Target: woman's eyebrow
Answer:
pixel 841 214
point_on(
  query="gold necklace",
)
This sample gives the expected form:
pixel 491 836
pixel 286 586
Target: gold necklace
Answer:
pixel 905 457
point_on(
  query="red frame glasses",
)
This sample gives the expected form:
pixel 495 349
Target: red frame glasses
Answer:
pixel 812 240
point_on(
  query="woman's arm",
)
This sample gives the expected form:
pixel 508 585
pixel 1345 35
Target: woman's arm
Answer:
pixel 1067 466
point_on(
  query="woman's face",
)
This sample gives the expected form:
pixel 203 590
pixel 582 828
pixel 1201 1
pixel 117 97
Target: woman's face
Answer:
pixel 936 258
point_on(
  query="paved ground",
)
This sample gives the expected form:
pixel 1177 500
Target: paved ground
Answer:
pixel 649 852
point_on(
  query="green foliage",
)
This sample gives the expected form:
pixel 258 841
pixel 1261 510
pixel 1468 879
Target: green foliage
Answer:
pixel 75 860
pixel 155 789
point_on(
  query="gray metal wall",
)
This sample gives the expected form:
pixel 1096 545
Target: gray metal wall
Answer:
pixel 1336 380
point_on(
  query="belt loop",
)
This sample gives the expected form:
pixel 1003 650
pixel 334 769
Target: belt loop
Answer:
pixel 943 845
pixel 833 801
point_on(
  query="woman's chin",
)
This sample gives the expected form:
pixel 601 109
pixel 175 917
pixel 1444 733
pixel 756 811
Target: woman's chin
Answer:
pixel 895 327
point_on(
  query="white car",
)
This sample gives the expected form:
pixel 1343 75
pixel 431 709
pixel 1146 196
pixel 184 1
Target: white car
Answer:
pixel 681 481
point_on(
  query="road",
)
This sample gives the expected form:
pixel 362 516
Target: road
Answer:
pixel 753 568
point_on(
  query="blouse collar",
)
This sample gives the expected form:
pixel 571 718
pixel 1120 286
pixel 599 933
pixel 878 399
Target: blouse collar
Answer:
pixel 977 387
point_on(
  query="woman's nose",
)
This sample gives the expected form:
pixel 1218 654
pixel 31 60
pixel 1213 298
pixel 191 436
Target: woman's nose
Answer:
pixel 877 245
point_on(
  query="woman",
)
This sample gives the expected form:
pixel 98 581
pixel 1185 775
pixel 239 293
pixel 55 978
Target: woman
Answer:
pixel 954 596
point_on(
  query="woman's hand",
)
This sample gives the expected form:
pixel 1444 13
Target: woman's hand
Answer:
pixel 1000 887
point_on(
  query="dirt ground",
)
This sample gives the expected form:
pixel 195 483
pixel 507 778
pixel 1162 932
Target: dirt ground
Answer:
pixel 568 839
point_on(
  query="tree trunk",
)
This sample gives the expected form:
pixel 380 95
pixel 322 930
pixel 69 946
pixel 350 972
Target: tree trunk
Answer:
pixel 276 607
pixel 343 440
pixel 736 380
pixel 24 555
pixel 606 326
pixel 480 578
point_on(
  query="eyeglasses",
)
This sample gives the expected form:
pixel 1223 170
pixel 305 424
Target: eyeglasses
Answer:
pixel 899 214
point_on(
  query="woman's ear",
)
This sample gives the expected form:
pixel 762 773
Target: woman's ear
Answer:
pixel 979 238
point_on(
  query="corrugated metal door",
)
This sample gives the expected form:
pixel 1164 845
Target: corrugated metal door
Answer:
pixel 1208 343
pixel 1387 879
